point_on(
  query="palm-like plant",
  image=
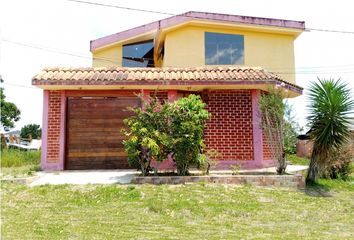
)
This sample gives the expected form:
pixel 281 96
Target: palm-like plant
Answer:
pixel 330 106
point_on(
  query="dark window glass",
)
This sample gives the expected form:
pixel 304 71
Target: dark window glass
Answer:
pixel 138 55
pixel 224 49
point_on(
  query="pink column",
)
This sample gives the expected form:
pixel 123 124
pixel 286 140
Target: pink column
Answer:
pixel 257 130
pixel 45 130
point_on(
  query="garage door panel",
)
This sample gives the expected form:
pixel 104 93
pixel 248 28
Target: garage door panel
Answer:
pixel 108 115
pixel 98 163
pixel 94 137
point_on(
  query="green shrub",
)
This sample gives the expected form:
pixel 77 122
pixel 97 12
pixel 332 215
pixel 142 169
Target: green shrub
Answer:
pixel 157 130
pixel 341 165
pixel 147 135
pixel 187 127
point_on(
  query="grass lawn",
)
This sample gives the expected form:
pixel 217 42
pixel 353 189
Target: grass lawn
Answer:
pixel 195 211
pixel 298 160
pixel 15 162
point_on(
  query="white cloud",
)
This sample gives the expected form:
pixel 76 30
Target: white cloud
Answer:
pixel 69 27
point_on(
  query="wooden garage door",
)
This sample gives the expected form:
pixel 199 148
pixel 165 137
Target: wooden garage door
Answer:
pixel 93 137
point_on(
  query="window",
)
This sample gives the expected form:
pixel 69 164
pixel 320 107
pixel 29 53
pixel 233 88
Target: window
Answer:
pixel 138 54
pixel 224 49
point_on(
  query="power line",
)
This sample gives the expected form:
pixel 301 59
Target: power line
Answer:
pixel 327 30
pixel 121 7
pixel 47 49
pixel 19 85
pixel 193 17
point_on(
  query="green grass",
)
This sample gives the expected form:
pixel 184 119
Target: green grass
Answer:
pixel 16 162
pixel 298 160
pixel 195 211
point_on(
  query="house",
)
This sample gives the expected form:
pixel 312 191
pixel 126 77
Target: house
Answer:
pixel 227 59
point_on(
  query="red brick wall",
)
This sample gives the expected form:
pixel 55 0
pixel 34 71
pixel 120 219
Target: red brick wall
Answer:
pixel 229 131
pixel 267 154
pixel 162 96
pixel 53 126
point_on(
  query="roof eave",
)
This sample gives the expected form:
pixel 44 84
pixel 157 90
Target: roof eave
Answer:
pixel 289 90
pixel 296 26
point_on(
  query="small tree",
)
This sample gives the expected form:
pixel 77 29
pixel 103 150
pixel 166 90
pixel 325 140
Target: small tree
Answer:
pixel 272 109
pixel 330 106
pixel 187 127
pixel 33 130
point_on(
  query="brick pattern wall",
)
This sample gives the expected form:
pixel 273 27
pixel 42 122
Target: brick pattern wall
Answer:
pixel 53 141
pixel 162 96
pixel 229 131
pixel 267 154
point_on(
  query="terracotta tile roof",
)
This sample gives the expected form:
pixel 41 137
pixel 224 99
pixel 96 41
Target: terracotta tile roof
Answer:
pixel 141 76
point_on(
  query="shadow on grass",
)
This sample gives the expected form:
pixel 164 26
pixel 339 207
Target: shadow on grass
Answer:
pixel 317 190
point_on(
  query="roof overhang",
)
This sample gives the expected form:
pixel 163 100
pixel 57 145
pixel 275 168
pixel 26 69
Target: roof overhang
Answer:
pixel 191 79
pixel 287 90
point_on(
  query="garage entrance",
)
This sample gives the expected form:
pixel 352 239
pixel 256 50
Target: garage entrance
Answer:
pixel 93 132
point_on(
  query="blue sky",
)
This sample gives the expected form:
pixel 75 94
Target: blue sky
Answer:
pixel 36 34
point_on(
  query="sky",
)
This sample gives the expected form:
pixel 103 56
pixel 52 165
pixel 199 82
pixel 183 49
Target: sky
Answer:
pixel 36 34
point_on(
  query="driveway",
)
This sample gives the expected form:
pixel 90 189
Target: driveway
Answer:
pixel 124 176
pixel 85 177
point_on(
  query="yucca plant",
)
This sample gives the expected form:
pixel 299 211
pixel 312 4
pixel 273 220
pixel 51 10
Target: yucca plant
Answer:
pixel 330 106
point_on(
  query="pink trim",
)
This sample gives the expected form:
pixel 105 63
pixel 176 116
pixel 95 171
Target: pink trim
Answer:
pixel 172 95
pixel 45 130
pixel 188 16
pixel 257 129
pixel 62 130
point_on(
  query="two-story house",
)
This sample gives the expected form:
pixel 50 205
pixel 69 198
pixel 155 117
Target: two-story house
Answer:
pixel 227 59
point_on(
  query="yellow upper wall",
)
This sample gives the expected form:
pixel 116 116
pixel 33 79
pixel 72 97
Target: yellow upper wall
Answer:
pixel 274 52
pixel 108 57
pixel 184 47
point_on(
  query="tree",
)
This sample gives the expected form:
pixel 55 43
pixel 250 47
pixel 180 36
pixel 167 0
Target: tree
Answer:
pixel 31 129
pixel 272 109
pixel 330 104
pixel 9 112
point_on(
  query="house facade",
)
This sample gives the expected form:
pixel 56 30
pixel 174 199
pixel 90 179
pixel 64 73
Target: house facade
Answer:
pixel 228 60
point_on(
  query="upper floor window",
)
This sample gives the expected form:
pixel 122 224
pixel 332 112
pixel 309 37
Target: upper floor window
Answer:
pixel 224 49
pixel 138 54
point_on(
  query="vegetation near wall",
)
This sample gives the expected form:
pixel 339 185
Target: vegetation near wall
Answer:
pixel 161 129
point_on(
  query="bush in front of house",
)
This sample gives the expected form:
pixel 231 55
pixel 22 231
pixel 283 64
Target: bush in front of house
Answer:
pixel 188 121
pixel 147 135
pixel 157 130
